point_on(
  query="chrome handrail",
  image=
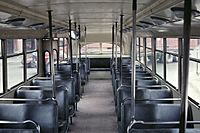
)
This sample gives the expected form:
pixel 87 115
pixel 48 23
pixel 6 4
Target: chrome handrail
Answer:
pixel 37 126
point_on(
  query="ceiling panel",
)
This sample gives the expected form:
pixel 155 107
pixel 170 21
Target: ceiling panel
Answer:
pixel 97 15
pixel 85 12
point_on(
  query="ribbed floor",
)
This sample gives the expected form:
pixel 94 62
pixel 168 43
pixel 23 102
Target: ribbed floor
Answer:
pixel 96 109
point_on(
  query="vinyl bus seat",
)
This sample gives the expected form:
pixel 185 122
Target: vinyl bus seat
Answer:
pixel 37 92
pixel 143 94
pixel 151 113
pixel 45 114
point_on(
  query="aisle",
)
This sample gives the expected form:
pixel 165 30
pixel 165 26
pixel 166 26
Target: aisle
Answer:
pixel 96 109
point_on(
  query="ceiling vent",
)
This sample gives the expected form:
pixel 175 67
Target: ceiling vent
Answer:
pixel 179 12
pixel 57 29
pixel 16 21
pixel 37 25
pixel 159 20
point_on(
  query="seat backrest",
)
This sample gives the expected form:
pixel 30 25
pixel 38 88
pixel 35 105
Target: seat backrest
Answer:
pixel 45 114
pixel 124 92
pixel 151 113
pixel 66 67
pixel 69 84
pixel 44 93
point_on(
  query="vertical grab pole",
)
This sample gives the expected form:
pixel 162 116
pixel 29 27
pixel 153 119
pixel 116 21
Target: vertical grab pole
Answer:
pixel 133 59
pixel 121 37
pixel 180 44
pixel 75 26
pixel 145 53
pixel 113 42
pixel 184 89
pixel 85 43
pixel 51 48
pixel 79 43
pixel 116 46
pixel 70 46
pixel 67 50
pixel 164 58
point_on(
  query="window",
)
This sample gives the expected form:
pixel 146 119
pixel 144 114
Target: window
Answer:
pixel 14 46
pixel 172 45
pixel 1 72
pixel 137 47
pixel 195 48
pixel 55 56
pixel 172 61
pixel 159 44
pixel 1 77
pixel 149 53
pixel 31 61
pixel 31 57
pixel 15 70
pixel 61 49
pixel 14 62
pixel 148 43
pixel 172 70
pixel 194 80
pixel 141 42
pixel 66 44
pixel 0 49
pixel 142 50
pixel 99 49
pixel 31 45
pixel 47 63
pixel 194 70
pixel 159 57
pixel 149 58
pixel 141 54
pixel 159 63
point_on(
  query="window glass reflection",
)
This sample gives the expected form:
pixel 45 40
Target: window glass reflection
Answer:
pixel 172 70
pixel 31 62
pixel 31 44
pixel 172 45
pixel 15 70
pixel 159 63
pixel 1 77
pixel 194 81
pixel 149 58
pixel 14 46
pixel 159 44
